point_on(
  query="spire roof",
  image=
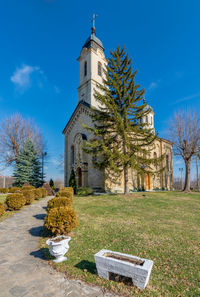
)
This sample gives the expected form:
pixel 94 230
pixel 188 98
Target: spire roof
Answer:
pixel 92 41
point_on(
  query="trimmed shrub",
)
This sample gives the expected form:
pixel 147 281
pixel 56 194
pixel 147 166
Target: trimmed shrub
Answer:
pixel 65 194
pixel 44 192
pixel 67 189
pixel 15 201
pixel 61 220
pixel 28 188
pixel 2 209
pixel 84 191
pixel 29 195
pixel 58 202
pixel 38 193
pixel 4 190
pixel 13 190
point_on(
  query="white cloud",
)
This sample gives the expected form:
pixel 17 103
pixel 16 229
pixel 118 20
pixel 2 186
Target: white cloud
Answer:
pixel 178 161
pixel 187 98
pixel 22 76
pixel 54 161
pixel 57 90
pixel 153 85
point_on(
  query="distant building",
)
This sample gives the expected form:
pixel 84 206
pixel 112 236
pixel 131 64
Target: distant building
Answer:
pixel 6 181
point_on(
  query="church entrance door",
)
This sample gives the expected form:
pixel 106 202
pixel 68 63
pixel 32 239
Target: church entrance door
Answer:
pixel 147 181
pixel 79 174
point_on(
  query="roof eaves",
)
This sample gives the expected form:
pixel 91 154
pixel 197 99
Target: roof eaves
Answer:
pixel 80 103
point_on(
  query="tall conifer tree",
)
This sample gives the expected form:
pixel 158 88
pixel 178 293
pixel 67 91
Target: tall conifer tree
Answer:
pixel 122 139
pixel 28 165
pixel 72 181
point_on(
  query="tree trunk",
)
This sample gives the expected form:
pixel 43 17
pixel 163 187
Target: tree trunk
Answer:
pixel 126 189
pixel 187 175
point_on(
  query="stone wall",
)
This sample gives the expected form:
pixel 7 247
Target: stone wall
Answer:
pixel 90 176
pixel 153 181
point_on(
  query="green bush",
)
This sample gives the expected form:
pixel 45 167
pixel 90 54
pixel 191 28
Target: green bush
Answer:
pixel 28 188
pixel 51 183
pixel 38 193
pixel 13 189
pixel 61 220
pixel 67 189
pixel 65 194
pixel 2 209
pixel 4 190
pixel 58 202
pixel 15 201
pixel 29 195
pixel 84 191
pixel 72 181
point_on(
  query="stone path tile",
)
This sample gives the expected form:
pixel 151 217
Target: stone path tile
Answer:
pixel 23 270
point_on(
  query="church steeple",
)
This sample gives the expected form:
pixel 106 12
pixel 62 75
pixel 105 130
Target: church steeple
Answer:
pixel 92 60
pixel 93 23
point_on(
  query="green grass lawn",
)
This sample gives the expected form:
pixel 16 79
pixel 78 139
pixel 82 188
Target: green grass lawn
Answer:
pixel 162 226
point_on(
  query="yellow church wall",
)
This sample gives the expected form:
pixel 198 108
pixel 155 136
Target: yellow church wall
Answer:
pixel 151 181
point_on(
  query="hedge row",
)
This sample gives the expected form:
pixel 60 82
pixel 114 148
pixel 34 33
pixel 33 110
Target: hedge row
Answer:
pixel 2 209
pixel 19 197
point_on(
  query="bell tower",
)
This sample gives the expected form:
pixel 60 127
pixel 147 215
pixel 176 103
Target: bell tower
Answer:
pixel 92 61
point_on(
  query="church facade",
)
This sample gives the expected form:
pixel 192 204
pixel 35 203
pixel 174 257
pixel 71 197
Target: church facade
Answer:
pixel 92 59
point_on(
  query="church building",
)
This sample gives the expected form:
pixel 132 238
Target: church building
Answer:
pixel 91 60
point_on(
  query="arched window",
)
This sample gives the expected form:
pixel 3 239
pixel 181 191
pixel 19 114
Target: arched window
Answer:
pixel 72 154
pixel 167 162
pixel 85 68
pixel 99 69
pixel 79 175
pixel 151 120
pixel 155 157
pixel 146 119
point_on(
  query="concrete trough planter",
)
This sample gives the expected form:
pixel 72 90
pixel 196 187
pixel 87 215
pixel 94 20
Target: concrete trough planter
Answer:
pixel 137 269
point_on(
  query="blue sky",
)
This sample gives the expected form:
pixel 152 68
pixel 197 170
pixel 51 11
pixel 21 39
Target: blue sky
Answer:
pixel 41 40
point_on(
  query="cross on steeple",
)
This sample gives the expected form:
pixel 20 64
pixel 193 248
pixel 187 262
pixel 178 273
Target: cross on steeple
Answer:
pixel 93 23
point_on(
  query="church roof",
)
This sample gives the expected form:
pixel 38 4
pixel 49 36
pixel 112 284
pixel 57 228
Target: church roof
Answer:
pixel 77 107
pixel 92 41
pixel 148 107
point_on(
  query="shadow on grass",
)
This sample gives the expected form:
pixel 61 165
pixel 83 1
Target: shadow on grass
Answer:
pixel 42 253
pixel 87 265
pixel 40 216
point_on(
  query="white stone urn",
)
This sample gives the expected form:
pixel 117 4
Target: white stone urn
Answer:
pixel 58 247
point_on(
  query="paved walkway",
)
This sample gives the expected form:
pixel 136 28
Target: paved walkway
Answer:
pixel 23 270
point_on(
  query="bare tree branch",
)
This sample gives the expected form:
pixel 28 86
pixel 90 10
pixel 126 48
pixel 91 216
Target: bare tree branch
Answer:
pixel 185 135
pixel 14 131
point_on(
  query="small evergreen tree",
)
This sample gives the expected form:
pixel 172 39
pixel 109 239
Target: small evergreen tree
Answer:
pixel 51 183
pixel 72 181
pixel 37 179
pixel 28 167
pixel 122 139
